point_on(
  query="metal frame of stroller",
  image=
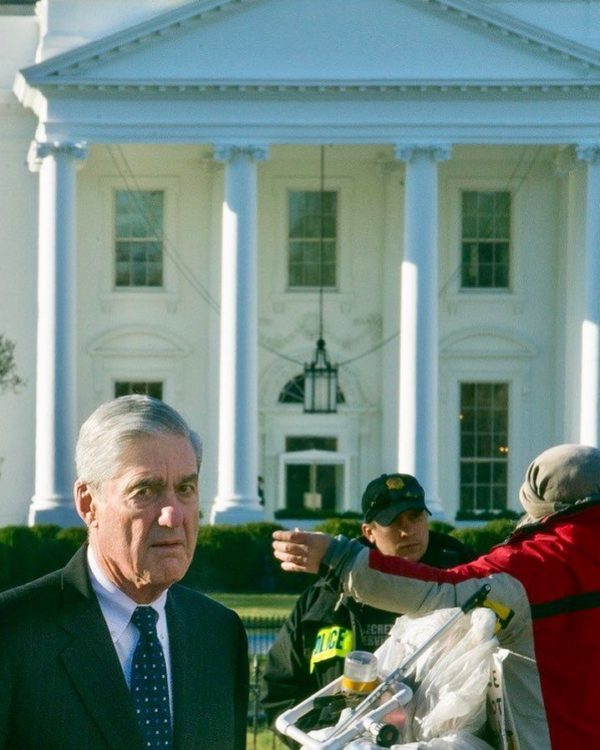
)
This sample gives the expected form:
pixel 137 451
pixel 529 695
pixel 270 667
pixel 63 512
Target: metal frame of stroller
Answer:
pixel 366 717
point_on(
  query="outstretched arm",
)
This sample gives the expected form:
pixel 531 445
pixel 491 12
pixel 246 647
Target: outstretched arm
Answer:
pixel 300 551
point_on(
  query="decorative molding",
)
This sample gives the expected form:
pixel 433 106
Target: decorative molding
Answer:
pixel 457 302
pixel 486 343
pixel 437 152
pixel 565 161
pixel 38 151
pixel 229 152
pixel 589 152
pixel 383 87
pixel 133 341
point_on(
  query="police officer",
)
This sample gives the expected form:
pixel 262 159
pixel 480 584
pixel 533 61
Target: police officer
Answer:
pixel 323 627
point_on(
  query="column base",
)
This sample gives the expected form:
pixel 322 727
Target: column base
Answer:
pixel 436 509
pixel 58 511
pixel 235 512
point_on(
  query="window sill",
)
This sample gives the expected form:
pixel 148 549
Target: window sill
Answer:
pixel 310 296
pixel 466 300
pixel 139 296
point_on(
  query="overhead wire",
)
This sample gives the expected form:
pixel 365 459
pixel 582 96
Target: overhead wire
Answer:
pixel 205 294
pixel 168 248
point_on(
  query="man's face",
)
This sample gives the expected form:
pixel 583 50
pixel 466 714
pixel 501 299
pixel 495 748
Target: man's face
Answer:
pixel 407 536
pixel 143 522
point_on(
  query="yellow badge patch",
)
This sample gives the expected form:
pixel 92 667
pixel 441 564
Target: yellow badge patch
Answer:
pixel 331 642
pixel 394 483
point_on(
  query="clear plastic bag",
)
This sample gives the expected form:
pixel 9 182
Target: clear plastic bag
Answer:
pixel 450 679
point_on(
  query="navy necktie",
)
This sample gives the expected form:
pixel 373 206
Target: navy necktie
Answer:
pixel 149 687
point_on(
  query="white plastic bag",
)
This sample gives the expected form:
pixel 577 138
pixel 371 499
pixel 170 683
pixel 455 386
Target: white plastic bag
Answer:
pixel 455 741
pixel 451 678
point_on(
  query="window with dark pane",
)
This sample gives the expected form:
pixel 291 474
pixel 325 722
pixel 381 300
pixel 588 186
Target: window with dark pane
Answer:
pixel 312 480
pixel 483 447
pixel 312 238
pixel 144 387
pixel 139 238
pixel 293 392
pixel 485 262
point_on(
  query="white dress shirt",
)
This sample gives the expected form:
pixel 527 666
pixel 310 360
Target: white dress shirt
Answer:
pixel 117 609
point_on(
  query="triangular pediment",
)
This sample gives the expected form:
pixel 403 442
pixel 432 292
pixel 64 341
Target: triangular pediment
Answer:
pixel 372 43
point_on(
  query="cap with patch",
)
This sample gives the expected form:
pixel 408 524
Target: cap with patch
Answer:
pixel 389 495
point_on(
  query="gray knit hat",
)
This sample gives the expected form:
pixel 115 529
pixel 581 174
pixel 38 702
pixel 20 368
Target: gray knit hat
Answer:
pixel 558 478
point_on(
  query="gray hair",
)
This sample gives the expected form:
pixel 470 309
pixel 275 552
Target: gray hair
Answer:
pixel 114 424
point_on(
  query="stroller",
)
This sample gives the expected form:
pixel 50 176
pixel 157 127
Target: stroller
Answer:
pixel 425 687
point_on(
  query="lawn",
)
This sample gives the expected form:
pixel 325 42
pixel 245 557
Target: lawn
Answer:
pixel 258 605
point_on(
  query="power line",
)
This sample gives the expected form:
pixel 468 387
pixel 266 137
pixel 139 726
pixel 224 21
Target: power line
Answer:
pixel 171 253
pixel 205 294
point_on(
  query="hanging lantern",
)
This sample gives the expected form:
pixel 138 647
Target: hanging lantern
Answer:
pixel 320 383
pixel 320 376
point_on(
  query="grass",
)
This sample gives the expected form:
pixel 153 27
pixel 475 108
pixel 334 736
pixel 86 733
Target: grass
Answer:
pixel 265 740
pixel 258 605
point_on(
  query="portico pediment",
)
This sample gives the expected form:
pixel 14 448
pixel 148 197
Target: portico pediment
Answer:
pixel 266 44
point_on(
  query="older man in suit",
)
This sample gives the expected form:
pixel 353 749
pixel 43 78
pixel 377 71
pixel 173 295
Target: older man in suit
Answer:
pixel 110 652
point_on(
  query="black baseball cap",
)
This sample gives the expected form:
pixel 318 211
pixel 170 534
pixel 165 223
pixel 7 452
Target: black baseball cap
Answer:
pixel 389 495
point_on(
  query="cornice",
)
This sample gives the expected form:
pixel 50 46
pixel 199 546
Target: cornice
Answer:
pixel 66 66
pixel 270 87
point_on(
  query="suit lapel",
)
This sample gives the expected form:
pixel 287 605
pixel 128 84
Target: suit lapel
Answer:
pixel 186 675
pixel 91 661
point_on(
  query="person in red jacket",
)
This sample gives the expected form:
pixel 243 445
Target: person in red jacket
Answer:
pixel 547 574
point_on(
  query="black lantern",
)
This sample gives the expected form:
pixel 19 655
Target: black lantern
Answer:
pixel 320 383
pixel 320 376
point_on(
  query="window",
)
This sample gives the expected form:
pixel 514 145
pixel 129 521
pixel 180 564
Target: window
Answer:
pixel 139 219
pixel 483 447
pixel 312 238
pixel 293 392
pixel 312 485
pixel 147 388
pixel 485 240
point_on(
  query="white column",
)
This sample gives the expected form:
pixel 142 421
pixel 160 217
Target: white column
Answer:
pixel 56 335
pixel 418 404
pixel 237 498
pixel 393 178
pixel 589 425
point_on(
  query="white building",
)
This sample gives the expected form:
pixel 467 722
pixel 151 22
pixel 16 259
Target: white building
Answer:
pixel 160 224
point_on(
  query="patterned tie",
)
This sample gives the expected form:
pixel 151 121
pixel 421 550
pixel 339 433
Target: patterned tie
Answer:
pixel 149 687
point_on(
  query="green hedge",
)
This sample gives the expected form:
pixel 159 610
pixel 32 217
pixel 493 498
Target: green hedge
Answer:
pixel 228 558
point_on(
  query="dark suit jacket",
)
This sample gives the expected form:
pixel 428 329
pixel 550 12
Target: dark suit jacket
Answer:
pixel 62 687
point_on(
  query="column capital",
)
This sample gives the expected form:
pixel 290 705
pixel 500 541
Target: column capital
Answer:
pixel 38 151
pixel 229 151
pixel 408 151
pixel 589 152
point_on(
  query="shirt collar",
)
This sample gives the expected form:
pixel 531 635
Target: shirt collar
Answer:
pixel 116 606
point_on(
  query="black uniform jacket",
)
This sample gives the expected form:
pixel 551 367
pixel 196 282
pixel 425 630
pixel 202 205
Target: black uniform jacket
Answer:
pixel 323 626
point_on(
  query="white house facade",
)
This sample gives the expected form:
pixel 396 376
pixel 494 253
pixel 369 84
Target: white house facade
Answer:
pixel 194 192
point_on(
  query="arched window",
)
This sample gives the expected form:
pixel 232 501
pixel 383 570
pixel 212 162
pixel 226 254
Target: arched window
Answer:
pixel 293 392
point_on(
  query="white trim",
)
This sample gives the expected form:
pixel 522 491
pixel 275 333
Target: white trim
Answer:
pixel 320 458
pixel 454 296
pixel 344 187
pixel 110 295
pixel 511 363
pixel 138 353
